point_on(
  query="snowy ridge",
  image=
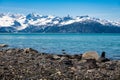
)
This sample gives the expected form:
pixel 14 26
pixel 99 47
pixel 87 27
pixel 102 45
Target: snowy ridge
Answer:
pixel 20 22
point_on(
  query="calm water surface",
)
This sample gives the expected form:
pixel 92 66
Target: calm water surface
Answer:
pixel 72 43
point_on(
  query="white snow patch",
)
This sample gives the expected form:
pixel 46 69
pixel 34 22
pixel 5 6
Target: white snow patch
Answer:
pixel 6 21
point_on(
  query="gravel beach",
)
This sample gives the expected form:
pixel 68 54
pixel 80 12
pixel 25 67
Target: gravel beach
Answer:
pixel 29 64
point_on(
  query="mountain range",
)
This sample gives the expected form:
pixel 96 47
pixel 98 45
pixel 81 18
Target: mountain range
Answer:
pixel 34 23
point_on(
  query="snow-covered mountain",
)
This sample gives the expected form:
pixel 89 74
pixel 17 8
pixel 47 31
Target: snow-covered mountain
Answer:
pixel 47 23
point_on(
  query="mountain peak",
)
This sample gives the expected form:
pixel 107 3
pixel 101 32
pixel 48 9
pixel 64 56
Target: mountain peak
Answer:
pixel 21 22
pixel 85 16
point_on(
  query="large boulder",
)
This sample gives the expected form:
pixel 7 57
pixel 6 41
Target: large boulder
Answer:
pixel 90 55
pixel 3 45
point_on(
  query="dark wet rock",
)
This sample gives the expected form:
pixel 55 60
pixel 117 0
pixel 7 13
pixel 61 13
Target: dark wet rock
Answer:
pixel 103 54
pixel 67 62
pixel 63 52
pixel 77 56
pixel 103 58
pixel 60 55
pixel 67 56
pixel 63 49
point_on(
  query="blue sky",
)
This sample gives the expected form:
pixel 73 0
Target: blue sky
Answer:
pixel 105 9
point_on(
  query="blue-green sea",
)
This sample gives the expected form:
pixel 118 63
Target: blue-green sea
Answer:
pixel 72 43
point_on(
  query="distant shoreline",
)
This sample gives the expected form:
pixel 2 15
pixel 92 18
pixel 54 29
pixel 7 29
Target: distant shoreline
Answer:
pixel 66 33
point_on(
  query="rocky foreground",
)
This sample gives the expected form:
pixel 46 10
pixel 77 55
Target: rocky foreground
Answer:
pixel 29 64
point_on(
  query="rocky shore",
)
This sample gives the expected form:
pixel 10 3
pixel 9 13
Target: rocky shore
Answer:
pixel 29 64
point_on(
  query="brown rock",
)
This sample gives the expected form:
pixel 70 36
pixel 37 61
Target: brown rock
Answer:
pixel 56 57
pixel 90 55
pixel 3 45
pixel 30 50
